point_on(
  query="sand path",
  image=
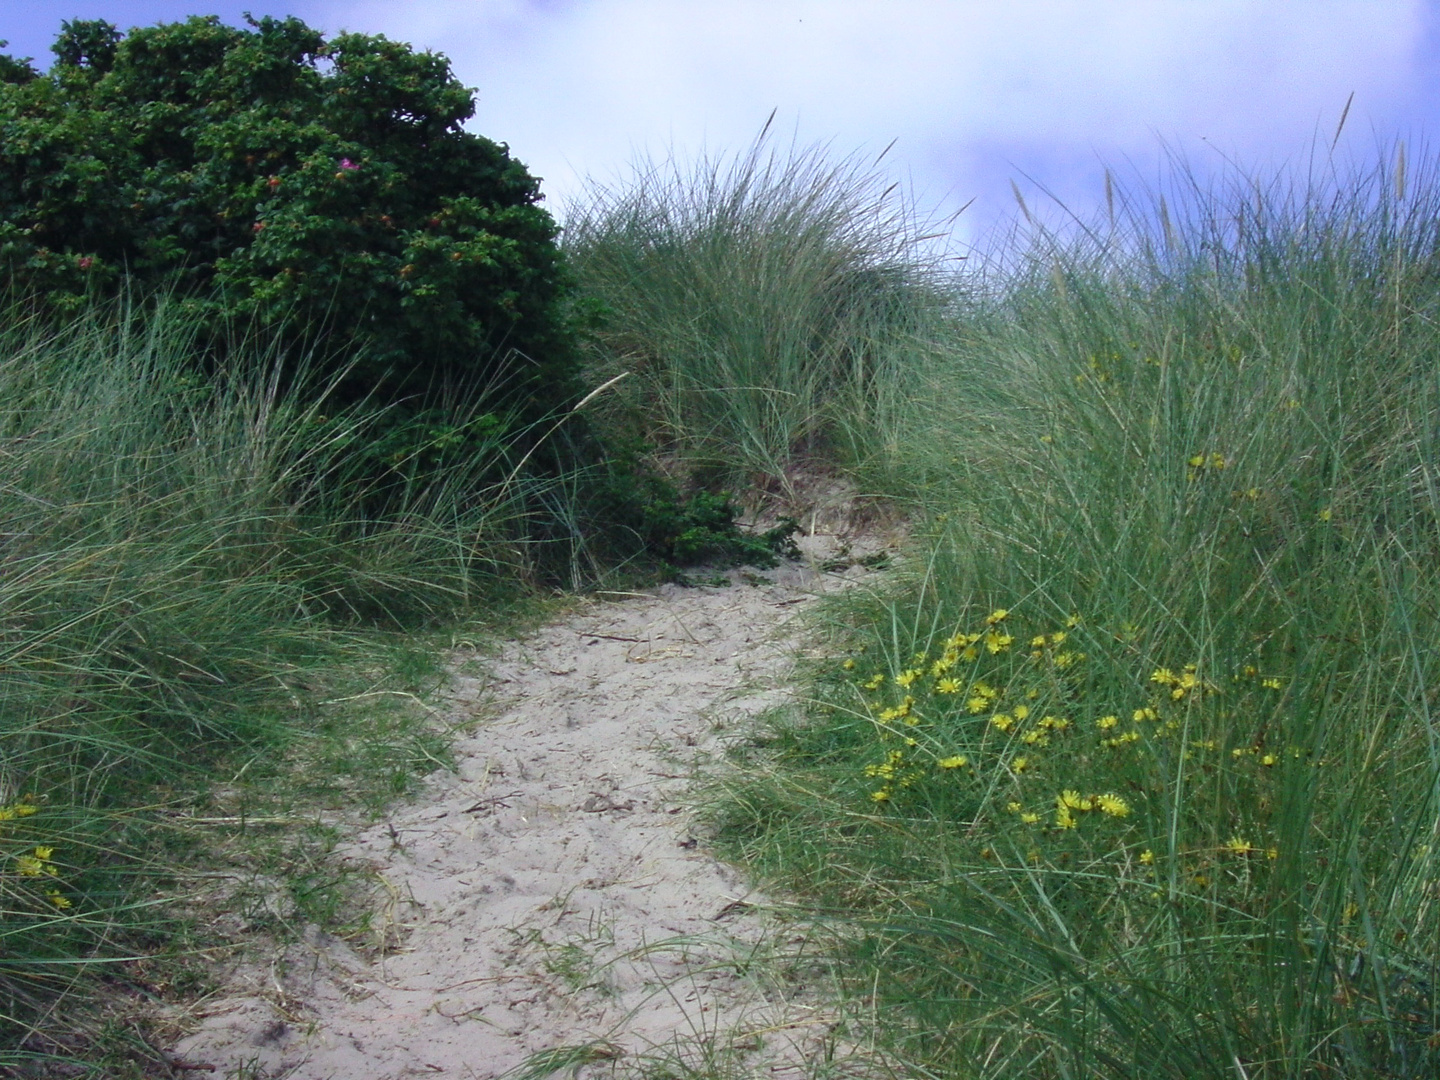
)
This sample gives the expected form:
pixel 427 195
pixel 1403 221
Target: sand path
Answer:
pixel 550 893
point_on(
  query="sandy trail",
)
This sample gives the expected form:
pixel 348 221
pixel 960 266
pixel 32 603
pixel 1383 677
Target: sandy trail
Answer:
pixel 549 892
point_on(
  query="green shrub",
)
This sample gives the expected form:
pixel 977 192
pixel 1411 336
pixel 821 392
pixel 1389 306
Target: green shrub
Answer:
pixel 277 179
pixel 633 515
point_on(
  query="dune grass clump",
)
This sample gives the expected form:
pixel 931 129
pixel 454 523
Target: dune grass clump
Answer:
pixel 770 305
pixel 1137 774
pixel 180 554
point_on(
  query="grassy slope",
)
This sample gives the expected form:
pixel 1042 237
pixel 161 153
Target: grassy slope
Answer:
pixel 1174 812
pixel 184 579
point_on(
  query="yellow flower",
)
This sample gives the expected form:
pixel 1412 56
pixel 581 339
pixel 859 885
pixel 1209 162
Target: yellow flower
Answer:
pixel 876 681
pixel 893 760
pixel 1072 799
pixel 1268 760
pixel 1021 711
pixel 1272 853
pixel 997 643
pixel 977 704
pixel 1035 738
pixel 1029 818
pixel 949 686
pixel 1217 461
pixel 1074 620
pixel 1325 514
pixel 1038 641
pixel 996 616
pixel 29 866
pixel 880 796
pixel 1147 857
pixel 1196 461
pixel 1144 714
pixel 1113 805
pixel 1105 723
pixel 1003 721
pixel 1164 676
pixel 1270 684
pixel 849 665
pixel 53 895
pixel 17 810
pixel 44 853
pixel 1013 807
pixel 1063 818
pixel 956 761
pixel 1020 764
pixel 1237 845
pixel 907 677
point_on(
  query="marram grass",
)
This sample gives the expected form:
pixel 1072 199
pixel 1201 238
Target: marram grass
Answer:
pixel 770 306
pixel 1136 775
pixel 179 555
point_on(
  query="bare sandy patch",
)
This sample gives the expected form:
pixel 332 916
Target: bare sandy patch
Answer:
pixel 549 896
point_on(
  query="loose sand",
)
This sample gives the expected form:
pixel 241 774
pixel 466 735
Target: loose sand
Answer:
pixel 550 892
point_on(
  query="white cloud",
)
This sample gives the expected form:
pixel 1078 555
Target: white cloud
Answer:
pixel 972 89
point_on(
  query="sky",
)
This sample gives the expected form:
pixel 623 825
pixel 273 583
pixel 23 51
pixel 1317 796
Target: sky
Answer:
pixel 973 94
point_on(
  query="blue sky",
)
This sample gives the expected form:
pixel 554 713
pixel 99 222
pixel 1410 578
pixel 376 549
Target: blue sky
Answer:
pixel 975 93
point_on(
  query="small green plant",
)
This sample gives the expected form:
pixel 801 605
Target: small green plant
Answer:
pixel 703 529
pixel 635 513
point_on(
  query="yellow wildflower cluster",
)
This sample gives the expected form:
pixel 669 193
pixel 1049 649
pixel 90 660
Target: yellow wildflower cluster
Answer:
pixel 1198 463
pixel 1187 682
pixel 19 809
pixel 902 711
pixel 886 769
pixel 34 862
pixel 902 716
pixel 1017 724
pixel 1070 802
